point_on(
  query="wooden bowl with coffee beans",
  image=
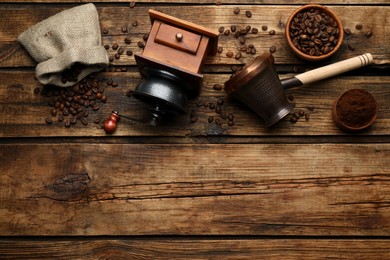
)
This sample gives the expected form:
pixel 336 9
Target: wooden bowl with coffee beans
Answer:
pixel 314 32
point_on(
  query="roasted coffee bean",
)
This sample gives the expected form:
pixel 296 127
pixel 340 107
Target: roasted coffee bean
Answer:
pixel 95 107
pixel 248 14
pixel 117 56
pixel 60 117
pixel 217 87
pixel 237 34
pixel 145 37
pixel 212 106
pixel 104 98
pixel 194 119
pixel 135 24
pixel 121 50
pixel 350 47
pixel 115 46
pixel 67 122
pixel 253 50
pixel 347 31
pixel 230 117
pixel 48 120
pixel 293 119
pixel 218 109
pixel 124 28
pixel 53 112
pixel 129 52
pixel 290 97
pixel 238 56
pixel 272 32
pixel 368 33
pixel 84 121
pixel 205 103
pixel 296 115
pixel 311 107
pixel 223 115
pixel 97 120
pixel 307 117
pixel 132 4
pixel 221 29
pixel 301 113
pixel 73 120
pixel 272 49
pixel 233 28
pixel 220 101
pixel 127 40
pixel 218 121
pixel 114 84
pixel 229 54
pixel 219 49
pixel 242 40
pixel 248 28
pixel 227 32
pixel 141 45
pixel 255 30
pixel 210 119
pixel 264 27
pixel 230 123
pixel 236 10
pixel 111 58
pixel 359 27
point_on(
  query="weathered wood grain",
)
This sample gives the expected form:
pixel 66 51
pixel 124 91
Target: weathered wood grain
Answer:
pixel 249 189
pixel 190 248
pixel 375 18
pixel 24 113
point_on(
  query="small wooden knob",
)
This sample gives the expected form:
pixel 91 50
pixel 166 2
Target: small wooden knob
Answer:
pixel 179 37
pixel 110 124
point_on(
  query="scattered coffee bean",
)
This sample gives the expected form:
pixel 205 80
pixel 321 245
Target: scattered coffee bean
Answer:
pixel 368 33
pixel 212 106
pixel 124 28
pixel 230 117
pixel 230 123
pixel 48 120
pixel 127 40
pixel 248 14
pixel 359 27
pixel 236 10
pixel 106 46
pixel 105 31
pixel 264 27
pixel 117 56
pixel 227 32
pixel 141 45
pixel 145 37
pixel 121 50
pixel 194 119
pixel 219 49
pixel 217 87
pixel 135 24
pixel 255 30
pixel 223 115
pixel 111 58
pixel 129 52
pixel 97 120
pixel 132 4
pixel 115 46
pixel 296 115
pixel 347 31
pixel 37 90
pixel 84 121
pixel 220 101
pixel 310 107
pixel 218 109
pixel 272 49
pixel 210 119
pixel 350 47
pixel 238 56
pixel 229 54
pixel 307 117
pixel 301 113
pixel 218 121
pixel 233 28
pixel 272 32
pixel 293 119
pixel 221 29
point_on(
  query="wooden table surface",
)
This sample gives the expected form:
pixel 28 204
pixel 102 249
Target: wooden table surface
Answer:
pixel 196 189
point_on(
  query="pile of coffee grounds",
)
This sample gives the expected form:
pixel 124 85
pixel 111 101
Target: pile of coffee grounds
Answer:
pixel 355 108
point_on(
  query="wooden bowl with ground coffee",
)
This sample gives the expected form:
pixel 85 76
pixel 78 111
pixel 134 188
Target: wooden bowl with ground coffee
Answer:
pixel 354 110
pixel 314 32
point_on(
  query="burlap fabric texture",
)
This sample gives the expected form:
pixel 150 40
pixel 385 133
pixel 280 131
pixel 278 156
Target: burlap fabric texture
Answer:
pixel 69 37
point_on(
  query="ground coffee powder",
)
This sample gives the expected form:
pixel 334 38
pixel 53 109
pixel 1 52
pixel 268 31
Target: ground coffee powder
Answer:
pixel 355 108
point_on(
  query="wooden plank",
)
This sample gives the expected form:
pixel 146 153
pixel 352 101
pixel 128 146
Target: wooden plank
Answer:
pixel 190 248
pixel 22 17
pixel 24 113
pixel 216 2
pixel 140 189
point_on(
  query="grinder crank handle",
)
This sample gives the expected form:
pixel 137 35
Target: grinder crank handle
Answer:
pixel 328 71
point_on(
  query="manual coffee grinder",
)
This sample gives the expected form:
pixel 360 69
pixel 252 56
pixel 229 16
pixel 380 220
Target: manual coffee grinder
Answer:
pixel 171 63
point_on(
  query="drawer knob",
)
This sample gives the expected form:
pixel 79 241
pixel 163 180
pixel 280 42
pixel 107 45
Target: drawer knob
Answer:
pixel 179 37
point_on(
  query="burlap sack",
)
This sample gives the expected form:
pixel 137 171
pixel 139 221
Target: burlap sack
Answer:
pixel 69 37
